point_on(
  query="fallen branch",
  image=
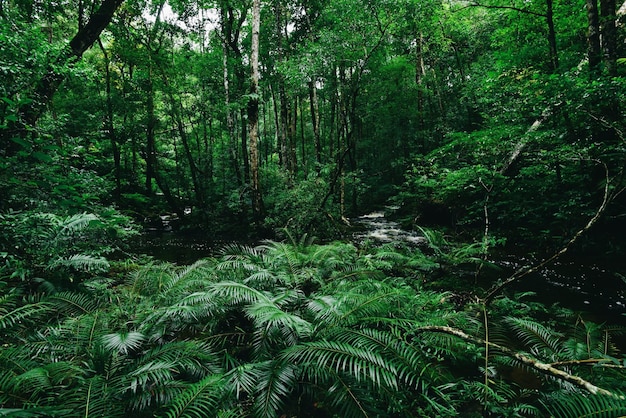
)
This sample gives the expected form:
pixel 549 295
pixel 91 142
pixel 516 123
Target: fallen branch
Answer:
pixel 537 365
pixel 525 271
pixel 521 145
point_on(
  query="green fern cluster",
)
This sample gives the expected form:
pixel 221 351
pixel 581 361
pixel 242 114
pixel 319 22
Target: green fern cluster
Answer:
pixel 281 330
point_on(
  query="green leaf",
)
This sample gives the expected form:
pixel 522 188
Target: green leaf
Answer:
pixel 45 158
pixel 21 142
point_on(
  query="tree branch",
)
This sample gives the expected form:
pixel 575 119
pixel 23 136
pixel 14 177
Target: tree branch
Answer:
pixel 525 271
pixel 83 40
pixel 537 365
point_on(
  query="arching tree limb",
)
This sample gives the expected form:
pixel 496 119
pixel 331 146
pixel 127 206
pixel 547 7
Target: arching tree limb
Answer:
pixel 81 42
pixel 525 271
pixel 537 365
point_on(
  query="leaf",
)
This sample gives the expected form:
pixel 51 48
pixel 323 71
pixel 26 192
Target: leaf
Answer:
pixel 199 400
pixel 40 156
pixel 82 262
pixel 21 142
pixel 123 342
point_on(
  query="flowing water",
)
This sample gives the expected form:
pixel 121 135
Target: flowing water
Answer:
pixel 594 286
pixel 597 287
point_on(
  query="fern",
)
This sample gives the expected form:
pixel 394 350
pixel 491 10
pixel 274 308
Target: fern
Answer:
pixel 277 380
pixel 82 262
pixel 198 400
pixel 123 342
pixel 237 293
pixel 75 223
pixel 73 304
pixel 341 357
pixel 568 405
pixel 539 339
pixel 22 316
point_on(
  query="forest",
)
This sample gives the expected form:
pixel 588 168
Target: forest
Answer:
pixel 262 140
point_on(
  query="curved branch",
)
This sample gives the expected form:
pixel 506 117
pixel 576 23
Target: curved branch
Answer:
pixel 537 365
pixel 525 271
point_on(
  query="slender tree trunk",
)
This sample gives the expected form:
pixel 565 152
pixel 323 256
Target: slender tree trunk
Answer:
pixel 150 135
pixel 230 123
pixel 554 56
pixel 608 31
pixel 253 113
pixel 302 140
pixel 315 121
pixel 594 51
pixel 293 138
pixel 109 124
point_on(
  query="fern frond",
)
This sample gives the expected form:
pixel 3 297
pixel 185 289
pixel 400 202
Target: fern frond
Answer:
pixel 73 304
pixel 82 262
pixel 276 381
pixel 537 337
pixel 568 404
pixel 357 362
pixel 242 379
pixel 23 315
pixel 198 400
pixel 237 293
pixel 76 223
pixel 123 342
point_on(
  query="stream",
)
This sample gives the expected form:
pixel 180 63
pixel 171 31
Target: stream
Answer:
pixel 594 286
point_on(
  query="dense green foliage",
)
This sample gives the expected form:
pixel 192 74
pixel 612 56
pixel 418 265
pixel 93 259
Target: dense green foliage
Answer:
pixel 486 125
pixel 294 330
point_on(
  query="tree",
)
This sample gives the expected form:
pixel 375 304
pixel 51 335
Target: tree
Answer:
pixel 43 90
pixel 253 113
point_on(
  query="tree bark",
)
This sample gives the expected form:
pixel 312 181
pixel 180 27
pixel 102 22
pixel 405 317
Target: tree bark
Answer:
pixel 315 121
pixel 83 40
pixel 536 365
pixel 594 52
pixel 253 113
pixel 554 56
pixel 110 126
pixel 608 31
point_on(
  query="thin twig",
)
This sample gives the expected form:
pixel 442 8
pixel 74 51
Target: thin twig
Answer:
pixel 525 271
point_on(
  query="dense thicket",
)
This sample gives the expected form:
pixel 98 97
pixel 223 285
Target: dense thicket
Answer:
pixel 495 122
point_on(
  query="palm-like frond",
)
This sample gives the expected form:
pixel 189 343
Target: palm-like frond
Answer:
pixel 73 303
pixel 540 339
pixel 123 342
pixel 75 223
pixel 276 381
pixel 24 316
pixel 237 293
pixel 82 262
pixel 568 405
pixel 199 400
pixel 357 362
pixel 242 379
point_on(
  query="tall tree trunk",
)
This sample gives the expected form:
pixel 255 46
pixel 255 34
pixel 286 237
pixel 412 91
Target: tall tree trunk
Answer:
pixel 293 138
pixel 594 51
pixel 608 31
pixel 150 135
pixel 110 126
pixel 230 123
pixel 253 113
pixel 554 56
pixel 315 121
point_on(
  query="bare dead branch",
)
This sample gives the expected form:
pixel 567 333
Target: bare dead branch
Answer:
pixel 544 368
pixel 525 271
